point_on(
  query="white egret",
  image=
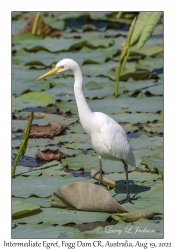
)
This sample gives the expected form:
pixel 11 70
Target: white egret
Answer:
pixel 107 137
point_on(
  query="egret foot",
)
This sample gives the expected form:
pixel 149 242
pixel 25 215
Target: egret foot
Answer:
pixel 101 174
pixel 100 177
pixel 128 199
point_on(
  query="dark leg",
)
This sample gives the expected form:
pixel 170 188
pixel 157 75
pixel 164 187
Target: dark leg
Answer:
pixel 128 198
pixel 100 165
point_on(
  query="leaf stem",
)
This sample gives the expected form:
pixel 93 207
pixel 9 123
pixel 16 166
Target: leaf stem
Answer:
pixel 23 144
pixel 117 80
pixel 16 158
pixel 125 59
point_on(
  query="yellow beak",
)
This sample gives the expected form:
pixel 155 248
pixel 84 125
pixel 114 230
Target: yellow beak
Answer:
pixel 51 72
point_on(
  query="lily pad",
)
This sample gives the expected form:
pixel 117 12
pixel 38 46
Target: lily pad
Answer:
pixel 49 155
pixel 18 209
pixel 42 186
pixel 89 162
pixel 154 161
pixel 135 176
pixel 51 168
pixel 74 196
pixel 42 202
pixel 63 216
pixel 52 129
pixel 32 99
pixel 52 45
pixel 42 231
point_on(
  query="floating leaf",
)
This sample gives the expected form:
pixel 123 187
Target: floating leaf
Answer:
pixel 154 161
pixel 106 181
pixel 42 202
pixel 42 231
pixel 130 217
pixel 18 209
pixel 50 155
pixel 42 186
pixel 80 195
pixel 52 129
pixel 32 99
pixel 63 216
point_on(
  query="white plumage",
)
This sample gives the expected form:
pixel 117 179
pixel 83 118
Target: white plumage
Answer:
pixel 108 138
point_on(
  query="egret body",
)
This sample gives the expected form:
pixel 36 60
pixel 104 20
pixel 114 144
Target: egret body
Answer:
pixel 108 138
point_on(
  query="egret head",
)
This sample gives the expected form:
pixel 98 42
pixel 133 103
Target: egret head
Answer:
pixel 61 66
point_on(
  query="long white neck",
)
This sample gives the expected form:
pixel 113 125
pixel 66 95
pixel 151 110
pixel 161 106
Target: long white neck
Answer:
pixel 84 111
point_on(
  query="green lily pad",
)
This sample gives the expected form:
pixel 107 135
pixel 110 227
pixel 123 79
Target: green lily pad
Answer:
pixel 146 142
pixel 42 202
pixel 18 25
pixel 18 209
pixel 42 186
pixel 150 195
pixel 129 104
pixel 32 99
pixel 101 70
pixel 84 55
pixel 135 176
pixel 151 199
pixel 42 231
pixel 127 73
pixel 52 45
pixel 89 162
pixel 155 128
pixel 63 216
pixel 54 23
pixel 155 161
pixel 122 104
pixel 41 118
pixel 137 118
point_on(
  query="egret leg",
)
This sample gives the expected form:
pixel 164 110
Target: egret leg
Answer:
pixel 128 198
pixel 100 166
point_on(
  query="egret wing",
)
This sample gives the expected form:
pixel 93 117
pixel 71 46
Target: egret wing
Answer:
pixel 115 139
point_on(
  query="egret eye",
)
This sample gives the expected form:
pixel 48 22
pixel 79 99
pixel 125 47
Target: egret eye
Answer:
pixel 61 67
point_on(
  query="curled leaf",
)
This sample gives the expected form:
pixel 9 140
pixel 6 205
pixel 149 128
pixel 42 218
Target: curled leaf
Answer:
pixel 85 196
pixel 147 170
pixel 50 155
pixel 52 129
pixel 130 217
pixel 109 183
